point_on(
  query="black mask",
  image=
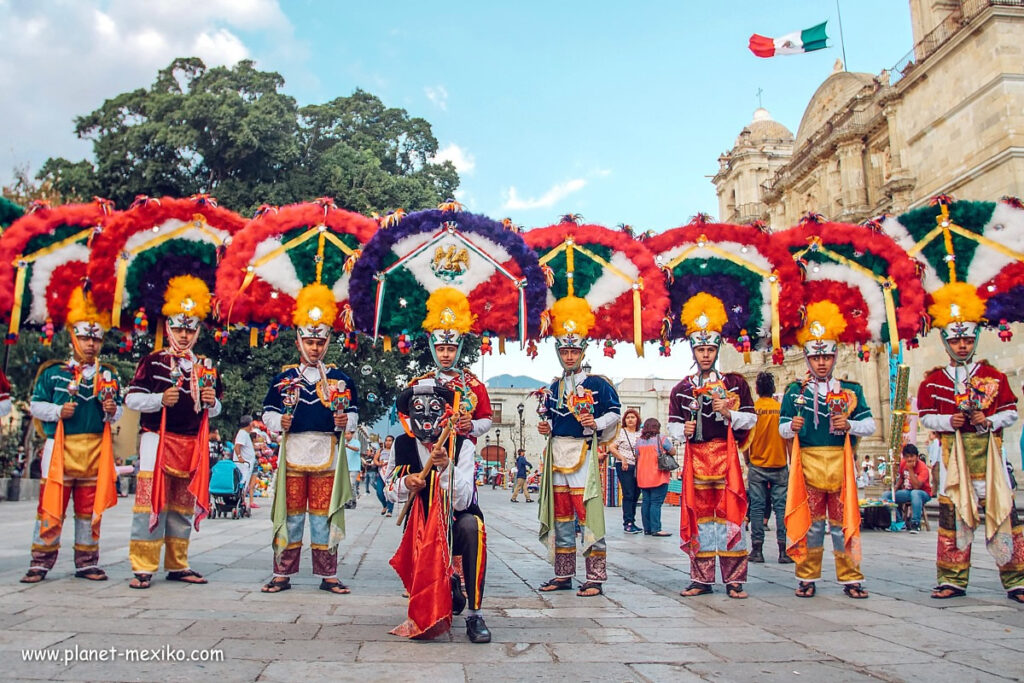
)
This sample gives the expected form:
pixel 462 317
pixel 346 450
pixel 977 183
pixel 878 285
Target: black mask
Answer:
pixel 425 406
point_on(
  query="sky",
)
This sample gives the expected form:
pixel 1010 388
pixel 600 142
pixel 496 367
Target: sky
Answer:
pixel 616 111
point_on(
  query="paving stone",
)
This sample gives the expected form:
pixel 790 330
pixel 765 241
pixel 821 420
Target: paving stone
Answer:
pixel 289 672
pixel 787 672
pixel 639 652
pixel 228 629
pixel 576 671
pixel 460 652
pixel 289 649
pixel 998 662
pixel 765 652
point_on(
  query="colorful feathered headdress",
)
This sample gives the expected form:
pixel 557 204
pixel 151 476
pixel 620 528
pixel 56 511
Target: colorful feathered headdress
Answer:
pixel 186 302
pixel 822 330
pixel 315 312
pixel 571 322
pixel 957 310
pixel 746 269
pixel 449 316
pixel 84 319
pixel 414 256
pixel 614 273
pixel 704 317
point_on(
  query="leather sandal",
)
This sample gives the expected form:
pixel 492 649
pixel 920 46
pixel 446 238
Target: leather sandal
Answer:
pixel 1017 595
pixel 336 587
pixel 34 575
pixel 277 585
pixel 556 584
pixel 806 589
pixel 735 591
pixel 701 588
pixel 583 592
pixel 92 573
pixel 947 592
pixel 141 581
pixel 855 591
pixel 186 576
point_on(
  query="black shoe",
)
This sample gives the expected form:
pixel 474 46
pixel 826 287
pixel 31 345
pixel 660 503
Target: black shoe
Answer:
pixel 477 630
pixel 756 554
pixel 458 598
pixel 783 557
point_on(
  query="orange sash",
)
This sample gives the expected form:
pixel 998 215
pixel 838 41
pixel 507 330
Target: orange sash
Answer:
pixel 106 487
pixel 798 514
pixel 52 506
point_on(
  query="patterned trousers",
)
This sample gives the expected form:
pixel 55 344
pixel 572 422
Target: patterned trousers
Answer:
pixel 568 507
pixel 172 530
pixel 953 566
pixel 308 494
pixel 826 505
pixel 709 503
pixel 46 542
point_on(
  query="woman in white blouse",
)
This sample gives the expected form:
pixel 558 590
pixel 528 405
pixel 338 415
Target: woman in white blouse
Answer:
pixel 624 450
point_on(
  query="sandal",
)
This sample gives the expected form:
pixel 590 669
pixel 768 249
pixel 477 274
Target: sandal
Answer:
pixel 661 534
pixel 556 584
pixel 855 591
pixel 1017 595
pixel 141 581
pixel 735 591
pixel 584 591
pixel 92 573
pixel 946 592
pixel 700 588
pixel 336 587
pixel 34 575
pixel 186 576
pixel 277 584
pixel 806 589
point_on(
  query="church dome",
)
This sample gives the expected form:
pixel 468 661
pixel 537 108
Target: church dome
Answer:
pixel 762 128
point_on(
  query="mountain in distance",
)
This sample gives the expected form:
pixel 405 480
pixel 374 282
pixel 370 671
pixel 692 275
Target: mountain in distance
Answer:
pixel 515 381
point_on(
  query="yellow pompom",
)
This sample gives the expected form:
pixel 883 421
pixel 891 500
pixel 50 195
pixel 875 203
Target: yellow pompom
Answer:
pixel 315 305
pixel 824 322
pixel 572 315
pixel 956 302
pixel 703 312
pixel 82 309
pixel 186 294
pixel 448 309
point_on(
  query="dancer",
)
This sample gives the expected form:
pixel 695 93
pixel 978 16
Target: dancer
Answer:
pixel 314 404
pixel 711 411
pixel 177 392
pixel 76 401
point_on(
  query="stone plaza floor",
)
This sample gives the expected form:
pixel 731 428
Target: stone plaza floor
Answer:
pixel 640 630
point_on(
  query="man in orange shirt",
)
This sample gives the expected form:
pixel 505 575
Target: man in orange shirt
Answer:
pixel 767 472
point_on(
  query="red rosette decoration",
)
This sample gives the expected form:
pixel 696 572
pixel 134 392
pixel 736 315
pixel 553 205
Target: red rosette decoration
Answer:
pixel 43 256
pixel 615 274
pixel 742 265
pixel 863 271
pixel 281 251
pixel 155 240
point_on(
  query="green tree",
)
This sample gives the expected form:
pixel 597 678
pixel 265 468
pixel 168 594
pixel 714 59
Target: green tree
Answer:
pixel 231 132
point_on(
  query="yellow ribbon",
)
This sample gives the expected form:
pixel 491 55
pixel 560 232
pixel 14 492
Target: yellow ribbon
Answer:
pixel 19 290
pixel 570 267
pixel 387 343
pixel 253 337
pixel 319 256
pixel 638 340
pixel 122 273
pixel 948 230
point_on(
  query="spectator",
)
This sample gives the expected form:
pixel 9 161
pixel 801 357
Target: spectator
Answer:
pixel 913 485
pixel 380 460
pixel 767 473
pixel 651 480
pixel 624 450
pixel 245 456
pixel 522 465
pixel 216 447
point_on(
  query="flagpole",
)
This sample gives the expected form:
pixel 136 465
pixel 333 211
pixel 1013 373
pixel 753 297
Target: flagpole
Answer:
pixel 842 43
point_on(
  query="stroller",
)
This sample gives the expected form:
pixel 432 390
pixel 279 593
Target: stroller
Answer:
pixel 227 489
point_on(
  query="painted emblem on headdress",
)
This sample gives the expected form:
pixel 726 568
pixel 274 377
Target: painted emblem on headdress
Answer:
pixel 450 263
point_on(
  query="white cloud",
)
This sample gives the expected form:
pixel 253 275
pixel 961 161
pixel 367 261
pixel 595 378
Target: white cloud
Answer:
pixel 437 94
pixel 513 202
pixel 63 59
pixel 464 161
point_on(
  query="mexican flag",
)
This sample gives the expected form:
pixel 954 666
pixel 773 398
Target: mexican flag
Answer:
pixel 794 43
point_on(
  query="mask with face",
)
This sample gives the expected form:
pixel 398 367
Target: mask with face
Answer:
pixel 426 406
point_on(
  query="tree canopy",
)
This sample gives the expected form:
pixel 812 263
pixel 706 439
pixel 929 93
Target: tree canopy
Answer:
pixel 232 133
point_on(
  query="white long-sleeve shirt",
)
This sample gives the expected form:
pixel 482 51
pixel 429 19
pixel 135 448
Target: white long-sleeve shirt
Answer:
pixel 464 485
